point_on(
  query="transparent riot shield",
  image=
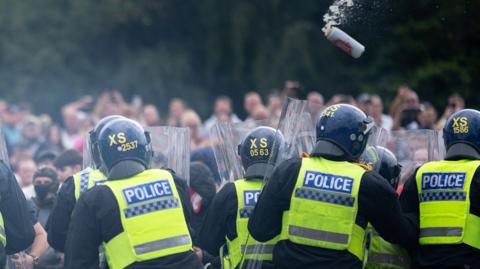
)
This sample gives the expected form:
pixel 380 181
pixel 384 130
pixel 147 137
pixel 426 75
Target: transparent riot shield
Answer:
pixel 297 130
pixel 3 148
pixel 442 151
pixel 171 149
pixel 414 148
pixel 378 138
pixel 88 160
pixel 225 138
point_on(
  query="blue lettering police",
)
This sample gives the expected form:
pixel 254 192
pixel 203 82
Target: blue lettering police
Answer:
pixel 250 198
pixel 328 182
pixel 147 192
pixel 435 181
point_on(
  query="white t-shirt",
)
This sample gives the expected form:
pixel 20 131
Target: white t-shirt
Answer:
pixel 29 191
pixel 386 122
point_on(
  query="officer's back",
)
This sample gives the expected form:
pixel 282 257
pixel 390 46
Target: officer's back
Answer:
pixel 443 198
pixel 138 215
pixel 225 228
pixel 321 205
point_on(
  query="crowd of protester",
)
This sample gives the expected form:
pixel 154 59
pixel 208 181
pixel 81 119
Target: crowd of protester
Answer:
pixel 43 153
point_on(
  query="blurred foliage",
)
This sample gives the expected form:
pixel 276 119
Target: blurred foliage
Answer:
pixel 52 52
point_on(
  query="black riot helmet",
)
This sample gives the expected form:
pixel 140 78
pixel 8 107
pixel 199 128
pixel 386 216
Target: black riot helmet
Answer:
pixel 93 135
pixel 258 149
pixel 342 131
pixel 124 141
pixel 462 134
pixel 384 162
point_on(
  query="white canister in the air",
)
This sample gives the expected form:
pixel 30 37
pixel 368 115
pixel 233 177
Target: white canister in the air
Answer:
pixel 345 42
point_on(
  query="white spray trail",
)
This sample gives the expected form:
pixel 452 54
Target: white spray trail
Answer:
pixel 336 13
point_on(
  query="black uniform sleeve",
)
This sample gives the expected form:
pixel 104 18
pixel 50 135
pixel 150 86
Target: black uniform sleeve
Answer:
pixel 84 236
pixel 3 257
pixel 410 207
pixel 219 221
pixel 214 262
pixel 57 225
pixel 266 220
pixel 475 194
pixel 13 205
pixel 378 202
pixel 182 188
pixel 32 211
pixel 409 198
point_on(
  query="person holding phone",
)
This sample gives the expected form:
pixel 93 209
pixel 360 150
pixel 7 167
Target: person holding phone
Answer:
pixel 405 109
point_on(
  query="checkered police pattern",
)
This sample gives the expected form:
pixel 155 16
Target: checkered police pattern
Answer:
pixel 324 196
pixel 246 212
pixel 150 207
pixel 443 196
pixel 84 181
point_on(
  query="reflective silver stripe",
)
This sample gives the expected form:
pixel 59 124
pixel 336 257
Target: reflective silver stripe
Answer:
pixel 382 258
pixel 2 232
pixel 441 231
pixel 162 244
pixel 256 249
pixel 332 237
pixel 99 181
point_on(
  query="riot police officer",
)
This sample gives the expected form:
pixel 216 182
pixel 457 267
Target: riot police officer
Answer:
pixel 16 228
pixel 73 186
pixel 321 205
pixel 138 215
pixel 382 254
pixel 443 198
pixel 227 218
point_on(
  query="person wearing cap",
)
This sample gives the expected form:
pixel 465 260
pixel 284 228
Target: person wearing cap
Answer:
pixel 206 156
pixel 442 199
pixel 321 205
pixel 202 191
pixel 224 232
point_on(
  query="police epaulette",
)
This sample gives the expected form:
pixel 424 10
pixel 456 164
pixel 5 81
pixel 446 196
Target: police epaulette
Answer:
pixel 365 166
pixel 304 155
